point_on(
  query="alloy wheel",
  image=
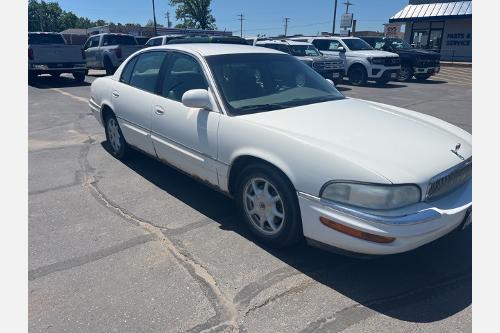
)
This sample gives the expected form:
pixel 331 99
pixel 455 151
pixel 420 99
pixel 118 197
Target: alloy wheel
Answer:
pixel 264 206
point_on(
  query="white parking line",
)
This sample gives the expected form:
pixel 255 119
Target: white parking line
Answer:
pixel 65 93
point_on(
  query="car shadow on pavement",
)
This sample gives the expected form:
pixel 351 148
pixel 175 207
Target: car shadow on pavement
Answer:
pixel 425 285
pixel 47 82
pixel 429 81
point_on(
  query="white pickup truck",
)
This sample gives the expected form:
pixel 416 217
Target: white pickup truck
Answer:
pixel 107 51
pixel 363 62
pixel 48 53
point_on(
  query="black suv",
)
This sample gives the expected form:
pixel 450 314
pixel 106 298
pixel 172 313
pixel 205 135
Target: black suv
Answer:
pixel 414 62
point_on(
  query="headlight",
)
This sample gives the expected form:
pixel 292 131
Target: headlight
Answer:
pixel 372 196
pixel 377 61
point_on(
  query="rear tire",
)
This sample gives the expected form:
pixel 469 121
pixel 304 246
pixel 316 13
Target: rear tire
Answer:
pixel 271 211
pixel 117 144
pixel 357 75
pixel 108 66
pixel 79 77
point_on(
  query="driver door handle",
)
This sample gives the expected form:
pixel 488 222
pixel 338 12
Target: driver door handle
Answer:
pixel 115 94
pixel 159 110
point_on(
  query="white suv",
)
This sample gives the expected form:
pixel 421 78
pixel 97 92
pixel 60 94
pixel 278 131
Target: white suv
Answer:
pixel 363 63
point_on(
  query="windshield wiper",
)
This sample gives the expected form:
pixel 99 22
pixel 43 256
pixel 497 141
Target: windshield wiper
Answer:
pixel 263 107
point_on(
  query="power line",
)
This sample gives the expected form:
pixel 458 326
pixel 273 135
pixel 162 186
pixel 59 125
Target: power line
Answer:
pixel 286 19
pixel 241 18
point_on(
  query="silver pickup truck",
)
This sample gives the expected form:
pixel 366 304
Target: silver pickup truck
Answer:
pixel 107 51
pixel 48 53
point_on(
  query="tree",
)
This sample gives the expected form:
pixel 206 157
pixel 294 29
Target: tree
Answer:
pixel 151 23
pixel 194 14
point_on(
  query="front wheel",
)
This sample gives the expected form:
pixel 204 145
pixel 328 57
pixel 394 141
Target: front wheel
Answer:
pixel 357 76
pixel 118 145
pixel 269 205
pixel 405 74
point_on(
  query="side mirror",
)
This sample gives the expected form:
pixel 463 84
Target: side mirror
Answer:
pixel 333 84
pixel 197 98
pixel 341 49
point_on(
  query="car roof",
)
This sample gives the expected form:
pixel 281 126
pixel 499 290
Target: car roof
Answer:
pixel 209 49
pixel 284 42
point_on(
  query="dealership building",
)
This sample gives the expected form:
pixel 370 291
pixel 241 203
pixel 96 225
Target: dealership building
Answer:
pixel 443 26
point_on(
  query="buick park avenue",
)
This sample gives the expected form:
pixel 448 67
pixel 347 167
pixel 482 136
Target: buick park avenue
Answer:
pixel 299 159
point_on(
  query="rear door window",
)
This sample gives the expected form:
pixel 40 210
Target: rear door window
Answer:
pixel 45 39
pixel 146 70
pixel 109 40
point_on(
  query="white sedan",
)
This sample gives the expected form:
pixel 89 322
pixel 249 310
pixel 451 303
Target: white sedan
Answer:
pixel 299 158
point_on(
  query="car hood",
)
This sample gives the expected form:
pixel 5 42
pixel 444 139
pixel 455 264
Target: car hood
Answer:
pixel 418 52
pixel 371 53
pixel 401 145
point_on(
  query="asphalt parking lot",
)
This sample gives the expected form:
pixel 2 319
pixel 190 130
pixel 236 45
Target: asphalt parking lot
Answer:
pixel 136 246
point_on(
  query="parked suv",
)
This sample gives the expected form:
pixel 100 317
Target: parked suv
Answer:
pixel 108 51
pixel 363 63
pixel 48 53
pixel 330 67
pixel 414 62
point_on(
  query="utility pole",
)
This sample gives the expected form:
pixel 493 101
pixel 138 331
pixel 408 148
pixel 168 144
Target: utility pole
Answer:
pixel 286 19
pixel 154 17
pixel 169 23
pixel 347 4
pixel 241 18
pixel 334 18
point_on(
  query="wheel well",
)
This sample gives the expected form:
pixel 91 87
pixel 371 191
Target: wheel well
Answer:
pixel 357 65
pixel 106 112
pixel 241 162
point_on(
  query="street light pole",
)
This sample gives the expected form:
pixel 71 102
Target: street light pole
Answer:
pixel 334 18
pixel 154 17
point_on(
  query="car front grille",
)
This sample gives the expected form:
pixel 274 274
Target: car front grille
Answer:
pixel 428 62
pixel 327 65
pixel 392 61
pixel 449 180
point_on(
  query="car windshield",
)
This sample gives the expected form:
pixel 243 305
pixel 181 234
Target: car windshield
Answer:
pixel 262 82
pixel 399 44
pixel 356 44
pixel 45 39
pixel 304 50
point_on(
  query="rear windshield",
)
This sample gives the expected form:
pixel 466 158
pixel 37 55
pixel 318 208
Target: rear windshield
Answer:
pixel 118 40
pixel 45 39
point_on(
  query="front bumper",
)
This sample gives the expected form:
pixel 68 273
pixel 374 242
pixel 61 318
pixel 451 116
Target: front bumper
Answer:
pixel 96 111
pixel 382 72
pixel 426 70
pixel 332 74
pixel 411 227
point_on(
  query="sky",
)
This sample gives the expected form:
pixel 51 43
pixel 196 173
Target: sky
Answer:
pixel 261 16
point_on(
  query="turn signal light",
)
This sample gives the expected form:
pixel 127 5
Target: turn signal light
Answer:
pixel 355 232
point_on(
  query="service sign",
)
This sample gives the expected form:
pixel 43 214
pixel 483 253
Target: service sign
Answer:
pixel 346 20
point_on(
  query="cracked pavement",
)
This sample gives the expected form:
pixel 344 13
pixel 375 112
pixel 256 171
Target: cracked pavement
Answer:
pixel 137 246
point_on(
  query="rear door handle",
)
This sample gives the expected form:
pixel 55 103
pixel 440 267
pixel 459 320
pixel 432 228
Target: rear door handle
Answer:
pixel 115 94
pixel 159 111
